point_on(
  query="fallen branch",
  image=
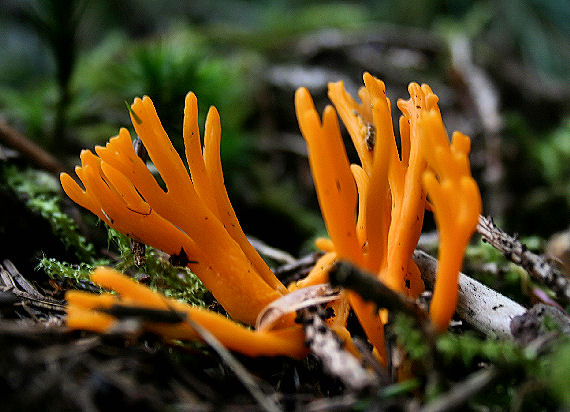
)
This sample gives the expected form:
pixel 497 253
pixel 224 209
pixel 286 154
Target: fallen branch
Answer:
pixel 481 307
pixel 29 149
pixel 517 252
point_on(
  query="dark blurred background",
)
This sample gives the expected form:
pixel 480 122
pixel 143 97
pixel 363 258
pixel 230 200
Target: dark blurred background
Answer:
pixel 500 68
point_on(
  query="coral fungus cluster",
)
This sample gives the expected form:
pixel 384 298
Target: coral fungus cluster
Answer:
pixel 373 212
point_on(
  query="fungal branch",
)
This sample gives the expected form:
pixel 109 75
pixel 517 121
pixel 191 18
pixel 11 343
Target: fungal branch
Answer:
pixel 193 215
pixel 391 192
pixel 95 312
pixel 373 212
pixel 456 204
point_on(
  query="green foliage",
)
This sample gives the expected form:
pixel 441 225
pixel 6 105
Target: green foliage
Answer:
pixel 525 376
pixel 540 32
pixel 40 192
pixel 282 19
pixel 521 367
pixel 400 388
pixel 544 179
pixel 173 281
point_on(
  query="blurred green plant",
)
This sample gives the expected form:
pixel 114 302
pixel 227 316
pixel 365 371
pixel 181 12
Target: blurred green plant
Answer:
pixel 518 367
pixel 544 177
pixel 165 69
pixel 58 23
pixel 540 29
pixel 486 264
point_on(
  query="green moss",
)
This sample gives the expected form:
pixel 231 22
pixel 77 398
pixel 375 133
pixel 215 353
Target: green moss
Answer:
pixel 56 269
pixel 173 281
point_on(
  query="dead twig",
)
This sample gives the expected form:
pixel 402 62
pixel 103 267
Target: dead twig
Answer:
pixel 516 251
pixel 371 289
pixel 29 149
pixel 265 401
pixel 327 347
pixel 13 283
pixel 463 391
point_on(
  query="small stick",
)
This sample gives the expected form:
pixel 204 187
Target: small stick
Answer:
pixel 483 308
pixel 29 149
pixel 14 285
pixel 517 252
pixel 461 393
pixel 371 289
pixel 264 401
